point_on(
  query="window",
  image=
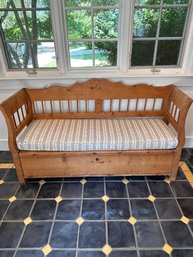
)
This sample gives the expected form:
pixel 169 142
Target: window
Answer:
pixel 94 34
pixel 159 32
pixel 26 34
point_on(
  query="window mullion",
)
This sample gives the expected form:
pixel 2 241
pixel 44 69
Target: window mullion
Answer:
pixel 60 33
pixel 125 34
pixel 92 28
pixel 183 37
pixel 158 33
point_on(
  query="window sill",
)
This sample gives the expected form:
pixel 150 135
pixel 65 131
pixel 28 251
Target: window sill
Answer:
pixel 84 74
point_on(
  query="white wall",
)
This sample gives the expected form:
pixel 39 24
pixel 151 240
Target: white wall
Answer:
pixel 9 86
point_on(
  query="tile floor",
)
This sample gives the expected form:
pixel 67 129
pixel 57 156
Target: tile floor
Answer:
pixel 96 217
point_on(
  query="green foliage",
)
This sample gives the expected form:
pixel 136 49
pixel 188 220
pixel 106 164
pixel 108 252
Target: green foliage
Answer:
pixel 172 23
pixel 109 49
pixel 72 3
pixel 105 2
pixel 106 24
pixel 79 24
pixel 145 22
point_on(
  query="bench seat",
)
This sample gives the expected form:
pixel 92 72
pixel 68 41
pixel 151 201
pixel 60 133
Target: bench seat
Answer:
pixel 97 134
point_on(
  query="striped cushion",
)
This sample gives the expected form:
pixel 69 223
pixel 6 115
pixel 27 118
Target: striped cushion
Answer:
pixel 97 134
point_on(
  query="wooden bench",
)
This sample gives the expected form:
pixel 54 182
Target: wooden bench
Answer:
pixel 95 99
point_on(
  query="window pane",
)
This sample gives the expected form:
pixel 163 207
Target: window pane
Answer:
pixel 19 55
pixel 148 2
pixel 145 22
pixel 71 3
pixel 10 4
pixel 176 1
pixel 106 23
pixel 142 53
pixel 36 3
pixel 79 24
pixel 27 3
pixel 38 25
pixel 172 22
pixel 106 53
pixel 81 54
pixel 106 2
pixel 13 26
pixel 42 29
pixel 168 52
pixel 46 55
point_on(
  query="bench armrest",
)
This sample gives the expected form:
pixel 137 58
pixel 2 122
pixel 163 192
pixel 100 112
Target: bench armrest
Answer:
pixel 17 112
pixel 176 111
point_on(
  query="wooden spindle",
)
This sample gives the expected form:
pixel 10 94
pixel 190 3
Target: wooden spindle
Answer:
pixel 42 103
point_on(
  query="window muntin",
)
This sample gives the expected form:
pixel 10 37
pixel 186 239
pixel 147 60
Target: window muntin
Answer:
pixel 92 33
pixel 158 32
pixel 27 34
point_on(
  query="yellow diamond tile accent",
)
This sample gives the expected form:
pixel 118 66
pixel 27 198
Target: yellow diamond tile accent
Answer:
pixel 132 220
pixel 42 182
pixel 107 249
pixel 12 199
pixel 27 221
pixel 6 165
pixel 167 180
pixel 185 220
pixel 2 182
pixel 83 181
pixel 189 176
pixel 105 198
pixel 151 198
pixel 187 173
pixel 167 248
pixel 58 199
pixel 184 167
pixel 47 249
pixel 125 181
pixel 79 221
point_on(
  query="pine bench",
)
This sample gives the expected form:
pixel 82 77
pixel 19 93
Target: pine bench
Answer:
pixel 96 128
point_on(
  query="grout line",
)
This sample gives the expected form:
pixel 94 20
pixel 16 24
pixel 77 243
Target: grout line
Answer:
pixel 164 237
pixel 9 203
pixel 191 232
pixel 80 213
pixel 25 226
pixel 92 221
pixel 54 217
pixel 134 228
pixel 106 215
pixel 99 249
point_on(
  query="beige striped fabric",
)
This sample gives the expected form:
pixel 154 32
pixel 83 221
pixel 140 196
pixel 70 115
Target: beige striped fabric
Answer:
pixel 97 134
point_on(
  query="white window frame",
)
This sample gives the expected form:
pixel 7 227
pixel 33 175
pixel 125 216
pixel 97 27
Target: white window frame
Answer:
pixel 157 37
pixel 124 48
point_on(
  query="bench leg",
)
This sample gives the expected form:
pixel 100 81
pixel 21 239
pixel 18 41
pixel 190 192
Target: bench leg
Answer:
pixel 175 166
pixel 19 169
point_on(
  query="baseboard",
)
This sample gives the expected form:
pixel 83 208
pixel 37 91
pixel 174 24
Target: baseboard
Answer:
pixel 4 143
pixel 189 142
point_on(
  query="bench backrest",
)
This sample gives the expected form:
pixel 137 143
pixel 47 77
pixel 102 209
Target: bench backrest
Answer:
pixel 98 98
